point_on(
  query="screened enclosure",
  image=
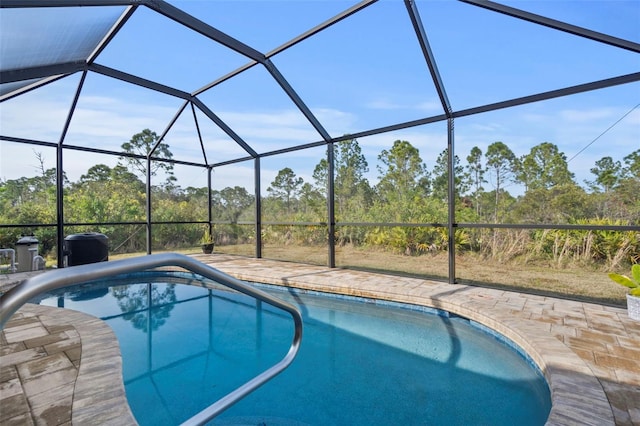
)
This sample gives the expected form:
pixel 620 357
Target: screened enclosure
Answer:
pixel 470 141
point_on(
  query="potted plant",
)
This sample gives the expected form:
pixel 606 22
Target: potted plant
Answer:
pixel 207 241
pixel 633 283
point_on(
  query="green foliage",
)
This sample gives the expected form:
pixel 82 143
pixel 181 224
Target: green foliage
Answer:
pixel 544 167
pixel 142 145
pixel 351 189
pixel 501 167
pixel 404 174
pixel 633 282
pixel 285 187
pixel 352 193
pixel 608 173
pixel 232 204
pixel 632 165
pixel 409 240
pixel 206 238
pixel 559 204
pixel 440 177
pixel 407 194
pixel 611 248
pixel 476 173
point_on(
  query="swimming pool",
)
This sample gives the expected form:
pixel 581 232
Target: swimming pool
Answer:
pixel 184 346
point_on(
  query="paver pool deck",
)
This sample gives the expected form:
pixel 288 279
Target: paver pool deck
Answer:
pixel 61 367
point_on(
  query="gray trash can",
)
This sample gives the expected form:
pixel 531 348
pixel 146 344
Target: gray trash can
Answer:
pixel 26 250
pixel 89 247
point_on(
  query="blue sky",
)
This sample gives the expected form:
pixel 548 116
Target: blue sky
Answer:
pixel 364 72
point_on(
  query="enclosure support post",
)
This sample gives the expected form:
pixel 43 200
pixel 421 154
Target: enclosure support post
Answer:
pixel 331 216
pixel 451 223
pixel 258 209
pixel 414 15
pixel 60 175
pixel 148 204
pixel 60 205
pixel 209 208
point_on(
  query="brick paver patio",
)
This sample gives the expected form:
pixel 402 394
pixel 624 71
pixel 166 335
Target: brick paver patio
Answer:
pixel 61 367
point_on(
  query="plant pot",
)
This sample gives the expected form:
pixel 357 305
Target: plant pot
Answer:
pixel 633 307
pixel 207 248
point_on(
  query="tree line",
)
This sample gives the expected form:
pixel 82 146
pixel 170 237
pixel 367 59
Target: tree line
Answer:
pixel 407 192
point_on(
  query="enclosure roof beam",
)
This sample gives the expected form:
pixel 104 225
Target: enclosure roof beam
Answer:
pixel 290 43
pixel 166 130
pixel 65 3
pixel 28 141
pixel 195 121
pixel 595 85
pixel 229 162
pixel 30 87
pixel 197 102
pixel 10 76
pixel 206 30
pixel 326 24
pixel 379 130
pixel 555 24
pixel 117 26
pixel 284 84
pixel 225 77
pixel 428 54
pixel 130 78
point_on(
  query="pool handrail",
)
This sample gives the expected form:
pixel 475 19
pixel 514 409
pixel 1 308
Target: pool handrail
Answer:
pixel 13 299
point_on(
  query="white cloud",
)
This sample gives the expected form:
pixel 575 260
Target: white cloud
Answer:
pixel 343 121
pixel 43 120
pixel 274 128
pixel 489 127
pixel 587 115
pixel 430 106
pixel 102 120
pixel 387 104
pixel 383 104
pixel 240 174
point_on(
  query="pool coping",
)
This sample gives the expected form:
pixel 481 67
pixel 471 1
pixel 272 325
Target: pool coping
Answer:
pixel 578 395
pixel 86 388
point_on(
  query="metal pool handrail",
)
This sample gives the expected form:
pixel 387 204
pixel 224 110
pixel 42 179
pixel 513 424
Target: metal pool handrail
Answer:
pixel 13 299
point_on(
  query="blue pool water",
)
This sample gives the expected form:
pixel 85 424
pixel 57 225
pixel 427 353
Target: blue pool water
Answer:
pixel 185 346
